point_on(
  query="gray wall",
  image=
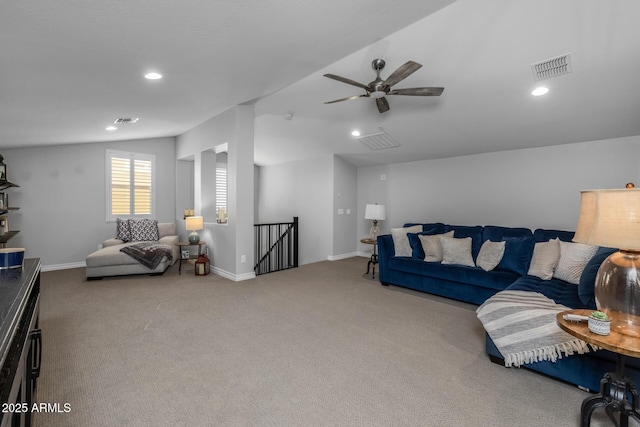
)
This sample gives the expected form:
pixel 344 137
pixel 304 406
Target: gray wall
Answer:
pixel 538 187
pixel 228 243
pixel 345 224
pixel 303 189
pixel 62 200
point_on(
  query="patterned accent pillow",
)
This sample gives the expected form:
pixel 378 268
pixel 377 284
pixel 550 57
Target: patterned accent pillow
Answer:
pixel 123 232
pixel 573 259
pixel 143 230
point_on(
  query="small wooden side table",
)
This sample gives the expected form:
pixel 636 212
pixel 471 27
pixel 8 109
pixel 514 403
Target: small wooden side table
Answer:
pixel 374 257
pixel 614 387
pixel 182 245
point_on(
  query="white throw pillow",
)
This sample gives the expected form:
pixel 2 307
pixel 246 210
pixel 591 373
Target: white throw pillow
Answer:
pixel 401 240
pixel 545 258
pixel 432 247
pixel 456 251
pixel 573 259
pixel 490 255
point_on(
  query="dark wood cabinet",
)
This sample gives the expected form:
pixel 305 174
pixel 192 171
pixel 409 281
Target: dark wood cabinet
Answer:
pixel 21 342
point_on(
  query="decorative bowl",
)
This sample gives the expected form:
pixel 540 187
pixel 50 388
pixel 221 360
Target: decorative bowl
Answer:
pixel 11 258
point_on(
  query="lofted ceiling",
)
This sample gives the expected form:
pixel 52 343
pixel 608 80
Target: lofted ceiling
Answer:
pixel 68 69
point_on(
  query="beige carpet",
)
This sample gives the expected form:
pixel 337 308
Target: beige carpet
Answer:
pixel 320 345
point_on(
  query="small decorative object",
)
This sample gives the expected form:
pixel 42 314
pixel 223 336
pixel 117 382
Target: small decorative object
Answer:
pixel 185 254
pixel 599 323
pixel 222 215
pixel 11 258
pixel 194 223
pixel 203 266
pixel 376 213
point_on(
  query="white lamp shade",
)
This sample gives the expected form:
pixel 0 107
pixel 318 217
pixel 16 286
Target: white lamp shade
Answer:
pixel 375 212
pixel 610 218
pixel 194 223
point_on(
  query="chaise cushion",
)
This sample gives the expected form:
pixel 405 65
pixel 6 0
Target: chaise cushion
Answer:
pixel 558 290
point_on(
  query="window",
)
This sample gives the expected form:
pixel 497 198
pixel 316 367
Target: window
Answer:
pixel 221 193
pixel 130 185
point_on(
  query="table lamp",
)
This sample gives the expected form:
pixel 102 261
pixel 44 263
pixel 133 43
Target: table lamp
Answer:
pixel 376 213
pixel 194 223
pixel 611 218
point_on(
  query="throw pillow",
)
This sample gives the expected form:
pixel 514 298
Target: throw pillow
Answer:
pixel 143 230
pixel 456 251
pixel 431 246
pixel 545 258
pixel 573 259
pixel 401 241
pixel 414 241
pixel 490 255
pixel 123 232
pixel 517 254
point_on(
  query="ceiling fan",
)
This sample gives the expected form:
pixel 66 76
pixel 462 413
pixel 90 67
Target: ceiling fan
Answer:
pixel 379 89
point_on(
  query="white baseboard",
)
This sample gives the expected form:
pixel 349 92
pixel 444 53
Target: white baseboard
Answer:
pixel 342 256
pixel 54 267
pixel 234 277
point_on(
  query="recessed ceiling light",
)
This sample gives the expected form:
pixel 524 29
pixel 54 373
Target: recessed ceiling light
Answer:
pixel 111 128
pixel 539 91
pixel 355 133
pixel 153 76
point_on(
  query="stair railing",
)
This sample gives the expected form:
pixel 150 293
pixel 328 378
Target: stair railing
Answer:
pixel 276 246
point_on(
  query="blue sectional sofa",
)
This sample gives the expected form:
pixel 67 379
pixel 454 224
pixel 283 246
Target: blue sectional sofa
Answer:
pixel 475 285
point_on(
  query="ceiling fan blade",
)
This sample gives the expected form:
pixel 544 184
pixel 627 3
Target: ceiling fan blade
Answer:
pixel 402 72
pixel 347 98
pixel 348 81
pixel 383 104
pixel 418 91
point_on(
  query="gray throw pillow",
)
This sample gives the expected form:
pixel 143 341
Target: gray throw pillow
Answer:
pixel 545 258
pixel 401 244
pixel 490 255
pixel 432 247
pixel 456 251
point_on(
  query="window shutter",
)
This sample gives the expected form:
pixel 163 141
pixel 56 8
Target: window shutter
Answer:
pixel 120 186
pixel 130 185
pixel 142 187
pixel 221 188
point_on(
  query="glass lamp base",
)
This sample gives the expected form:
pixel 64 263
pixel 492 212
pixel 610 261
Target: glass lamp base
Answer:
pixel 194 238
pixel 617 291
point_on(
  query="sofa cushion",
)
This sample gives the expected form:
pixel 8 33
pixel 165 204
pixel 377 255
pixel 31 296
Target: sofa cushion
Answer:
pixel 558 290
pixel 573 260
pixel 495 279
pixel 143 230
pixel 542 235
pixel 496 233
pixel 456 251
pixel 437 226
pixel 431 247
pixel 474 231
pixel 401 241
pixel 517 254
pixel 545 258
pixel 490 255
pixel 588 277
pixel 417 250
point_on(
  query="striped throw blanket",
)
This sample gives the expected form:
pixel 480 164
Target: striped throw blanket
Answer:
pixel 523 327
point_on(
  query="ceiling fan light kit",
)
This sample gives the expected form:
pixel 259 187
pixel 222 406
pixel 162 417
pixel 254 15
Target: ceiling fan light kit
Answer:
pixel 379 89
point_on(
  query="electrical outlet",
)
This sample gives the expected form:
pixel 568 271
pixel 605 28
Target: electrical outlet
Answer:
pixel 348 211
pixel 243 258
pixel 340 211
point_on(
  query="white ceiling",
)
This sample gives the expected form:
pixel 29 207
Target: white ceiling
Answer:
pixel 68 69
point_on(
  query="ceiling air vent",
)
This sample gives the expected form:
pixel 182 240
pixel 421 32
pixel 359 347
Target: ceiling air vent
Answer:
pixel 378 141
pixel 125 120
pixel 553 67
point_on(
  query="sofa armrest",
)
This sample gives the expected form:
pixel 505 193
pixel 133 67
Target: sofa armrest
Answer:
pixel 175 249
pixel 112 242
pixel 385 251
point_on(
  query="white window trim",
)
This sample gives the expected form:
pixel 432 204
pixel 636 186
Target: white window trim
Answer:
pixel 133 156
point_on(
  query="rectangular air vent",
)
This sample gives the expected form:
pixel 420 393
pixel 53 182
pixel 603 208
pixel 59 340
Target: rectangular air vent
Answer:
pixel 553 67
pixel 125 120
pixel 378 141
